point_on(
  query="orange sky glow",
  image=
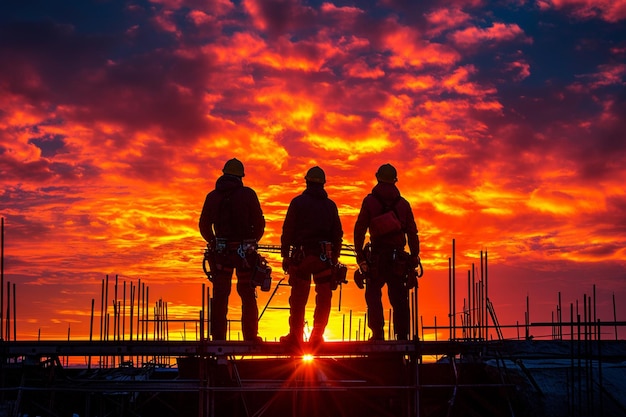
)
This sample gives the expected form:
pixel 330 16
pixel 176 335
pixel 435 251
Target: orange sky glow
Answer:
pixel 506 126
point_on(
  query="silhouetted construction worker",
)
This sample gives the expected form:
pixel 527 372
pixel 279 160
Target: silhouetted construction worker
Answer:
pixel 310 245
pixel 391 224
pixel 232 223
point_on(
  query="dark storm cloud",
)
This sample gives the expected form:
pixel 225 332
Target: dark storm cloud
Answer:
pixel 13 198
pixel 50 145
pixel 55 64
pixel 47 58
pixel 43 170
pixel 155 91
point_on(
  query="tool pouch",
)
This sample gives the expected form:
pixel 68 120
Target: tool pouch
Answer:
pixel 400 265
pixel 262 274
pixel 338 276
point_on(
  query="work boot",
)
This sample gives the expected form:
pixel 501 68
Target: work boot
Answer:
pixel 316 340
pixel 376 336
pixel 291 342
pixel 254 339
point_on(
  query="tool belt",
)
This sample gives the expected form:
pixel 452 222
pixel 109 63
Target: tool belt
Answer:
pixel 392 261
pixel 217 255
pixel 224 246
pixel 335 273
pixel 323 249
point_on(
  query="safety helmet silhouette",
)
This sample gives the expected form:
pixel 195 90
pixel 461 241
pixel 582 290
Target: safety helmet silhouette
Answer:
pixel 233 167
pixel 387 173
pixel 315 174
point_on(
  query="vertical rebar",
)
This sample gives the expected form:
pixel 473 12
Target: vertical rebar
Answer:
pixel 8 316
pixel 578 368
pixel 131 310
pixel 585 318
pixel 560 318
pixel 106 309
pixel 350 327
pixel 527 317
pixel 116 312
pixel 114 320
pixel 166 328
pixel 571 369
pixel 93 300
pixel 201 318
pixel 600 383
pixel 365 324
pixel 475 302
pixel 209 312
pixel 412 322
pixel 139 295
pixel 124 313
pixel 67 358
pixel 102 309
pixel 91 320
pixel 147 316
pixel 482 309
pixel 160 319
pixel 143 311
pixel 1 277
pixel 416 303
pixel 594 307
pixel 483 277
pixel 450 297
pixel 202 313
pixel 464 320
pixel 469 305
pixel 155 314
pixel 589 360
pixel 454 288
pixel 14 313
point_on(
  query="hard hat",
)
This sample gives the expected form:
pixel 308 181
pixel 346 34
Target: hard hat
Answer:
pixel 233 167
pixel 387 173
pixel 315 174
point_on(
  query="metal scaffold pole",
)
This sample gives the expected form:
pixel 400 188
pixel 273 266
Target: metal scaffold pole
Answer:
pixel 1 277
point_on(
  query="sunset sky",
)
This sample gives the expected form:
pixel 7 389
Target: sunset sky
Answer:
pixel 505 120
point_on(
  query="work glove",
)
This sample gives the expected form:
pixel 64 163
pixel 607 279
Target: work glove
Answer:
pixel 415 271
pixel 359 279
pixel 286 263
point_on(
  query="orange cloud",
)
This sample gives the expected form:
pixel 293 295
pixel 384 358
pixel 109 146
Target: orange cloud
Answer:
pixel 520 68
pixel 609 10
pixel 497 33
pixel 607 75
pixel 446 19
pixel 410 49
